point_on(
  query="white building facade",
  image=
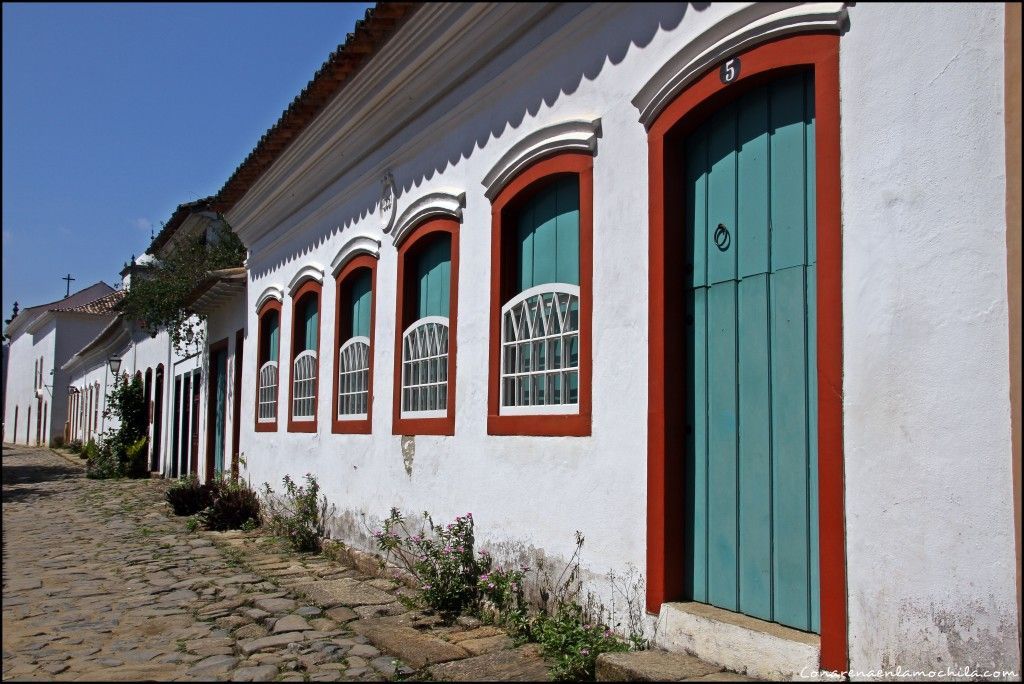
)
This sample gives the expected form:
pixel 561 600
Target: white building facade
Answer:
pixel 42 338
pixel 697 281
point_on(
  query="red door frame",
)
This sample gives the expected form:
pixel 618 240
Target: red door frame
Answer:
pixel 665 509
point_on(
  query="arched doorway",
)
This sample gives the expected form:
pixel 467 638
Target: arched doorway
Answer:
pixel 745 493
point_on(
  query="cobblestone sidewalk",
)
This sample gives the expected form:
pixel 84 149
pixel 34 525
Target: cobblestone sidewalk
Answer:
pixel 101 582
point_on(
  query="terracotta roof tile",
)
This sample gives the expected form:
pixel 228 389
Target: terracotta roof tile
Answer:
pixel 103 305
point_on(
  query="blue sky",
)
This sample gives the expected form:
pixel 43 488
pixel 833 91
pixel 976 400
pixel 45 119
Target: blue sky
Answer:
pixel 113 114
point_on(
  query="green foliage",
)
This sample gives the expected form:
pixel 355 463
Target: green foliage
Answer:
pixel 250 525
pixel 157 296
pixel 232 505
pixel 301 515
pixel 123 450
pixel 572 643
pixel 75 446
pixel 101 462
pixel 192 524
pixel 453 577
pixel 187 496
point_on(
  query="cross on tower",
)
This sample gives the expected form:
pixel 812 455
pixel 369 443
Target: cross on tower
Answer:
pixel 68 278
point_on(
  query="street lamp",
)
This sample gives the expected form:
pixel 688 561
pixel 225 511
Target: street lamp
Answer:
pixel 115 365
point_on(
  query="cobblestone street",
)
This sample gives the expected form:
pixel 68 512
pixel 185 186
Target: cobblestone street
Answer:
pixel 100 581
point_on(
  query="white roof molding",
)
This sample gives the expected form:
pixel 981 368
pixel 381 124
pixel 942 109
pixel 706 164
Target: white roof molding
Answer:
pixel 749 25
pixel 270 292
pixel 311 271
pixel 578 135
pixel 441 203
pixel 353 247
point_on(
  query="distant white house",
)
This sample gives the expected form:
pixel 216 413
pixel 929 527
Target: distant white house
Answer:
pixel 42 339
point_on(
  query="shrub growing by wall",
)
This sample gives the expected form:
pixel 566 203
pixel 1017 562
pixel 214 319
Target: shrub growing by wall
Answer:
pixel 232 506
pixel 300 516
pixel 187 496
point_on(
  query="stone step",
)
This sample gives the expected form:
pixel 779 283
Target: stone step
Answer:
pixel 658 666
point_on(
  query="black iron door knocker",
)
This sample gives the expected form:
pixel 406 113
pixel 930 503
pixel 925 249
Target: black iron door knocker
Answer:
pixel 722 237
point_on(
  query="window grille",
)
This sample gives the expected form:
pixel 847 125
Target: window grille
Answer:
pixel 268 392
pixel 353 378
pixel 425 368
pixel 540 340
pixel 304 386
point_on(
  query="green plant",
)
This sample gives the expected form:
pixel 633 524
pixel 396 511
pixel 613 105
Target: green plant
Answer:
pixel 187 496
pixel 75 446
pixel 159 294
pixel 123 450
pixel 250 525
pixel 573 643
pixel 192 524
pixel 231 506
pixel 135 458
pixel 453 577
pixel 301 515
pixel 101 463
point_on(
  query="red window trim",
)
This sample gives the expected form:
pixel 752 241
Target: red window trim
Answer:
pixel 303 425
pixel 427 426
pixel 665 516
pixel 268 306
pixel 354 427
pixel 573 425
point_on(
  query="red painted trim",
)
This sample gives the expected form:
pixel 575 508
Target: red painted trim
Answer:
pixel 426 426
pixel 304 425
pixel 211 403
pixel 665 513
pixel 364 261
pixel 517 191
pixel 269 305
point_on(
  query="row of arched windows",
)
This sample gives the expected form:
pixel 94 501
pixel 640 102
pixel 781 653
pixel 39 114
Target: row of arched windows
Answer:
pixel 539 321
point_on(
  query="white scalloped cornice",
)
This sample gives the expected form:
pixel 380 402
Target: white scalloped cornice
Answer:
pixel 567 136
pixel 752 24
pixel 353 247
pixel 311 271
pixel 440 203
pixel 271 292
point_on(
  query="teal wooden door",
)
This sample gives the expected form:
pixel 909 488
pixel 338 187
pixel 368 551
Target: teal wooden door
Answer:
pixel 219 364
pixel 752 532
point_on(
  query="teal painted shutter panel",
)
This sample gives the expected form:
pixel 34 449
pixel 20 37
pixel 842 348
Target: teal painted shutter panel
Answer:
pixel 548 235
pixel 220 366
pixel 309 319
pixel 275 336
pixel 751 410
pixel 433 277
pixel 359 295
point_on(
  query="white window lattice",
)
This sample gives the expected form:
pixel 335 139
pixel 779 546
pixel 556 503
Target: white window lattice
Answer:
pixel 540 334
pixel 425 368
pixel 353 378
pixel 304 386
pixel 268 392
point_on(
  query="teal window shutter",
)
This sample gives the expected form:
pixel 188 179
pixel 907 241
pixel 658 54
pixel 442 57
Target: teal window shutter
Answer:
pixel 548 236
pixel 433 278
pixel 359 297
pixel 273 336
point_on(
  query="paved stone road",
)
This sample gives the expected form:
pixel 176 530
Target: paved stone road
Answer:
pixel 101 582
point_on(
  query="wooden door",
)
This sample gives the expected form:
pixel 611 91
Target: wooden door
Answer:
pixel 751 467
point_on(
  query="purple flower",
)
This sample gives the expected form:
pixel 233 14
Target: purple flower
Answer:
pixel 490 585
pixel 426 586
pixel 484 577
pixel 584 651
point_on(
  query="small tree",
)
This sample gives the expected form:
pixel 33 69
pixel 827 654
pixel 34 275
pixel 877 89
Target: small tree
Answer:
pixel 127 402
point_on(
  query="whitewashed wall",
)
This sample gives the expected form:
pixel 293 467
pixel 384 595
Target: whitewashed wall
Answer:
pixel 929 516
pixel 20 389
pixel 927 416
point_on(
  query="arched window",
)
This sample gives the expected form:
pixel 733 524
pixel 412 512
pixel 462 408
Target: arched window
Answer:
pixel 354 345
pixel 305 346
pixel 425 344
pixel 267 370
pixel 541 300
